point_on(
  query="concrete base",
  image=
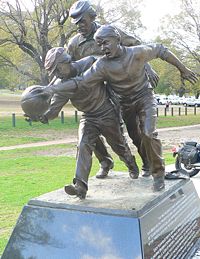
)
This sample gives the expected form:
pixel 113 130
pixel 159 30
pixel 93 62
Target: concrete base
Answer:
pixel 120 218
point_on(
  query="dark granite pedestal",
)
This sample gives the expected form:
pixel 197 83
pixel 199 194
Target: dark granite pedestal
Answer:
pixel 120 219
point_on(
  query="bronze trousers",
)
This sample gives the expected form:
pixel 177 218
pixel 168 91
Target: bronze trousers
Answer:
pixel 106 123
pixel 140 118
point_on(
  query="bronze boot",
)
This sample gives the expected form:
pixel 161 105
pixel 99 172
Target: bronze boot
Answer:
pixel 158 184
pixel 145 172
pixel 133 169
pixel 103 171
pixel 79 189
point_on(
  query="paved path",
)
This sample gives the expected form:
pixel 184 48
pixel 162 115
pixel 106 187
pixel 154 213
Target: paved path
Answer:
pixel 42 143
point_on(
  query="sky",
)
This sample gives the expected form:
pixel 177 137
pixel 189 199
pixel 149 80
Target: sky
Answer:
pixel 152 12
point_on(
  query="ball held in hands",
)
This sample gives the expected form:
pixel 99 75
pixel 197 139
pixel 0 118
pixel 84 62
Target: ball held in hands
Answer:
pixel 35 102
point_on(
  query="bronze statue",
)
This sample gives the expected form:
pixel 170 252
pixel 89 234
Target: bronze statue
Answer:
pixel 99 116
pixel 83 44
pixel 124 69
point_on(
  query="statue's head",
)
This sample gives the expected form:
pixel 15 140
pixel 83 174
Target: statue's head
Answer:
pixel 58 63
pixel 35 102
pixel 83 15
pixel 109 39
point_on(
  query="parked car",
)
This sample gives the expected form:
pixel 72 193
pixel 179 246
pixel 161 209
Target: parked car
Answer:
pixel 176 100
pixel 173 100
pixel 182 100
pixel 193 102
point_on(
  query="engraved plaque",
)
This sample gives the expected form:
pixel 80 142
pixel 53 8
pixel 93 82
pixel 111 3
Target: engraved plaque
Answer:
pixel 171 229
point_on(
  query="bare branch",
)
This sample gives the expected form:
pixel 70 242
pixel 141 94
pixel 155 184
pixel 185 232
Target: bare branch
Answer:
pixel 9 63
pixel 35 31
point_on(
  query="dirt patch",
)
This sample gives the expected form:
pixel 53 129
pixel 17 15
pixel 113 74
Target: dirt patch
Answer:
pixel 174 137
pixel 57 152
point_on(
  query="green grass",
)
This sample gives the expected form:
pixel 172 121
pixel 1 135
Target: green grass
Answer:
pixel 22 125
pixel 13 140
pixel 24 133
pixel 178 121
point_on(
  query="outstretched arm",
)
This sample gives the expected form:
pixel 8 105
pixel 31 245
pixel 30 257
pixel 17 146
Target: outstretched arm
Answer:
pixel 67 88
pixel 148 52
pixel 186 73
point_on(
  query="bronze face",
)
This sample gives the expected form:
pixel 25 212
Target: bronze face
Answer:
pixel 85 25
pixel 110 46
pixel 64 71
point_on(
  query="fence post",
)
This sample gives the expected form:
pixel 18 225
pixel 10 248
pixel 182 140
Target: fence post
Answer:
pixel 157 112
pixel 195 110
pixel 13 120
pixel 179 111
pixel 62 117
pixel 185 110
pixel 172 111
pixel 165 111
pixel 76 116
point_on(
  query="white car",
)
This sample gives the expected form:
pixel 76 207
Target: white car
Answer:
pixel 182 100
pixel 173 100
pixel 193 102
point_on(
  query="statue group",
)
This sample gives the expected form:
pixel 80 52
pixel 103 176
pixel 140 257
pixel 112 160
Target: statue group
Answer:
pixel 104 72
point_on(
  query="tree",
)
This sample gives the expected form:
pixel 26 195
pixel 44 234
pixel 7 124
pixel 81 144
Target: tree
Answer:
pixel 169 82
pixel 34 33
pixel 183 30
pixel 47 25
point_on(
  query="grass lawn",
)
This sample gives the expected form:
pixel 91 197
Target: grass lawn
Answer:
pixel 24 133
pixel 178 121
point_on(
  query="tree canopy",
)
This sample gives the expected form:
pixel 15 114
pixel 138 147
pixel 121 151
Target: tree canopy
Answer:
pixel 34 33
pixel 27 34
pixel 183 31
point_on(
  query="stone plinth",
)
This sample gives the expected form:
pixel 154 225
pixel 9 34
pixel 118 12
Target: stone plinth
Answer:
pixel 121 218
